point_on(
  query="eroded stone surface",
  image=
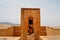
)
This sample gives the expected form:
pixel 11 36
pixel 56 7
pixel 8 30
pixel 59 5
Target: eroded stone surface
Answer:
pixel 34 14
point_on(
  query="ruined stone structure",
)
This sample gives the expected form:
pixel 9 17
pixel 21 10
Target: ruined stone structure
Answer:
pixel 30 28
pixel 30 22
pixel 30 25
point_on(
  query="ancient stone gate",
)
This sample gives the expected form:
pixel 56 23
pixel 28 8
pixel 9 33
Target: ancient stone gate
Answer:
pixel 30 22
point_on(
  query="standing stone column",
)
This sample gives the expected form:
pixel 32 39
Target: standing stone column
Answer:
pixel 25 14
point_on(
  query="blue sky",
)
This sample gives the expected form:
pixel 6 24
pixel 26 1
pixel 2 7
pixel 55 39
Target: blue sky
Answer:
pixel 10 10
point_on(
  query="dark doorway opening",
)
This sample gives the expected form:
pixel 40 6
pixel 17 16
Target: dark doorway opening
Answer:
pixel 30 22
pixel 30 27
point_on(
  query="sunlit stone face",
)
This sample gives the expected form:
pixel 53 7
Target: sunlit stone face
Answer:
pixel 30 22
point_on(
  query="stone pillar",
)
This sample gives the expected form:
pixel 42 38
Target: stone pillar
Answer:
pixel 25 14
pixel 24 26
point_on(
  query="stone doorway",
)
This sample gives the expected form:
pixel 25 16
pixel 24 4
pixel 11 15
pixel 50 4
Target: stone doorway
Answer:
pixel 30 26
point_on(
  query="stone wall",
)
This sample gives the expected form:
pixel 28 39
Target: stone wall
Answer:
pixel 57 32
pixel 42 31
pixel 7 32
pixel 17 31
pixel 50 31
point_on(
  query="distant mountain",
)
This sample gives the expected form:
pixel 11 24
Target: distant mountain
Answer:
pixel 8 23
